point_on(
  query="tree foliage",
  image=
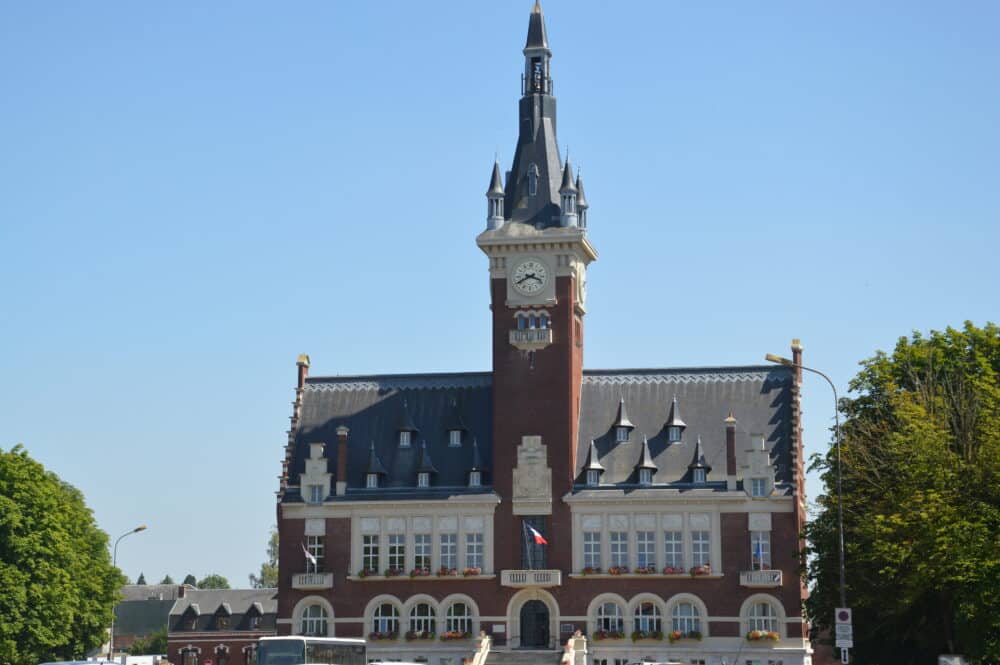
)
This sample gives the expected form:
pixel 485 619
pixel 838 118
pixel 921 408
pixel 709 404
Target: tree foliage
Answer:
pixel 190 579
pixel 153 644
pixel 921 502
pixel 167 580
pixel 213 581
pixel 58 584
pixel 141 580
pixel 268 578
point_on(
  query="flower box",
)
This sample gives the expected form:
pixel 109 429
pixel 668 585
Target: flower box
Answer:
pixel 618 570
pixel 472 572
pixel 375 636
pixel 674 570
pixel 646 635
pixel 367 572
pixel 645 570
pixel 701 570
pixel 763 635
pixel 420 572
pixel 447 572
pixel 393 572
pixel 591 570
pixel 607 635
pixel 675 635
pixel 451 635
pixel 412 635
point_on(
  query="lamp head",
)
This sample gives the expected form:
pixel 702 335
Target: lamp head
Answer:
pixel 141 527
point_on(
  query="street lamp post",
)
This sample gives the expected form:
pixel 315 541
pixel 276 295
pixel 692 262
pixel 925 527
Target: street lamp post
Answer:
pixel 114 563
pixel 770 357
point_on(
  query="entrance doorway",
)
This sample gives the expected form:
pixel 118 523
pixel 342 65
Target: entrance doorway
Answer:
pixel 535 625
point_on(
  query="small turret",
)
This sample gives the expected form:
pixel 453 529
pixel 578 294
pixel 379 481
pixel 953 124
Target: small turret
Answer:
pixel 494 200
pixel 581 201
pixel 567 194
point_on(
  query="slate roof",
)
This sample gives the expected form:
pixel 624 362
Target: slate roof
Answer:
pixel 151 591
pixel 141 617
pixel 758 396
pixel 235 603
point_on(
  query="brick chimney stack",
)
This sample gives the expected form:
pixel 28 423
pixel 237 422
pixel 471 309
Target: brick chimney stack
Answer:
pixel 730 451
pixel 342 433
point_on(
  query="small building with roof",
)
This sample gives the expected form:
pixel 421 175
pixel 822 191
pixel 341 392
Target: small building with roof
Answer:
pixel 220 626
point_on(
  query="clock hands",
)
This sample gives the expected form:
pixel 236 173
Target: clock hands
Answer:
pixel 528 276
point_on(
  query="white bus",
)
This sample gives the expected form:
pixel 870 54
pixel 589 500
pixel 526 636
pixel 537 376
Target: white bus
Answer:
pixel 300 649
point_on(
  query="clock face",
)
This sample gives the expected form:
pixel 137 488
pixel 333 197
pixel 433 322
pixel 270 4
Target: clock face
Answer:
pixel 529 277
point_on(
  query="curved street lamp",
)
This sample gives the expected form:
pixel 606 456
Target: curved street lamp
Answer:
pixel 114 563
pixel 770 357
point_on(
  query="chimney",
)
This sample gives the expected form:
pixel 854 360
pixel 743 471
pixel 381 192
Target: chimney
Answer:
pixel 303 365
pixel 342 433
pixel 797 359
pixel 730 451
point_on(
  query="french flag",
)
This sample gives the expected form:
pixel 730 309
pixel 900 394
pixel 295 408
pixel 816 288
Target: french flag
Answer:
pixel 539 538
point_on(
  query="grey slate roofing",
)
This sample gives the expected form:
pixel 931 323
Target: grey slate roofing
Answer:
pixel 141 617
pixel 622 419
pixel 206 604
pixel 581 198
pixel 536 29
pixel 593 461
pixel 758 396
pixel 496 183
pixel 646 458
pixel 425 465
pixel 151 591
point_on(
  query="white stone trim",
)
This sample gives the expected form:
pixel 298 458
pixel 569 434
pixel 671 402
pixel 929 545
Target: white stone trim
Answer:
pixel 450 600
pixel 685 597
pixel 380 600
pixel 779 613
pixel 514 614
pixel 308 601
pixel 599 600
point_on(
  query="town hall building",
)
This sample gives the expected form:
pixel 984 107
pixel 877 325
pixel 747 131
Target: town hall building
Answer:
pixel 656 510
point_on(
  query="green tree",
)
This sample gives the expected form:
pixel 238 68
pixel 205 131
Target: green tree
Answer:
pixel 921 502
pixel 141 580
pixel 268 578
pixel 151 645
pixel 213 581
pixel 167 580
pixel 191 579
pixel 58 583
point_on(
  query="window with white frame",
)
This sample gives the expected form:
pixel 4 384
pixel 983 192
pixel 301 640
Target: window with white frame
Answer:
pixel 449 550
pixel 592 550
pixel 701 548
pixel 385 621
pixel 422 551
pixel 645 476
pixel 458 618
pixel 673 434
pixel 189 657
pixel 645 549
pixel 423 479
pixel 621 434
pixel 474 550
pixel 314 545
pixel 455 438
pixel 475 479
pixel 610 618
pixel 685 618
pixel 762 617
pixel 422 619
pixel 647 618
pixel 397 551
pixel 314 620
pixel 619 548
pixel 699 476
pixel 370 552
pixel 673 549
pixel 593 477
pixel 758 487
pixel 760 549
pixel 404 439
pixel 315 494
pixel 371 480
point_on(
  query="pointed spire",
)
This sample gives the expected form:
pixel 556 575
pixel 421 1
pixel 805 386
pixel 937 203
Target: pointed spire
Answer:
pixel 581 200
pixel 374 463
pixel 699 458
pixel 536 29
pixel 406 423
pixel 496 182
pixel 646 458
pixel 477 458
pixel 567 178
pixel 622 419
pixel 425 465
pixel 674 419
pixel 593 461
pixel 454 420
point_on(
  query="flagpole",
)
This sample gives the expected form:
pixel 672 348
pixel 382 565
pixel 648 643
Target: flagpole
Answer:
pixel 527 544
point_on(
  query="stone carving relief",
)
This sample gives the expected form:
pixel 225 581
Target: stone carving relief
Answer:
pixel 532 478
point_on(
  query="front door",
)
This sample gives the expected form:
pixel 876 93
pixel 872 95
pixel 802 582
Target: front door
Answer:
pixel 535 625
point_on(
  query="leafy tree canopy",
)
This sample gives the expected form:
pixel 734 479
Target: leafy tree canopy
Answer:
pixel 151 645
pixel 58 583
pixel 190 579
pixel 141 580
pixel 213 581
pixel 268 578
pixel 167 580
pixel 921 502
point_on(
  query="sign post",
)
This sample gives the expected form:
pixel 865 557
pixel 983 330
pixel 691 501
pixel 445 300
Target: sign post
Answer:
pixel 844 632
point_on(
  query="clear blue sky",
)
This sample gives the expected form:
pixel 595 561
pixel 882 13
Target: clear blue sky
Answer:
pixel 191 194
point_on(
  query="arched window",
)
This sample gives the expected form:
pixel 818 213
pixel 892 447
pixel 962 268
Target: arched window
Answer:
pixel 685 618
pixel 610 618
pixel 763 617
pixel 385 621
pixel 647 618
pixel 222 655
pixel 250 654
pixel 532 180
pixel 189 656
pixel 314 620
pixel 458 619
pixel 421 620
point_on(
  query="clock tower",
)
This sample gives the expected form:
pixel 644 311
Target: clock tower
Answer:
pixel 536 242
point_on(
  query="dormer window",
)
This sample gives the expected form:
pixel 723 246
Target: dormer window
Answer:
pixel 371 480
pixel 621 435
pixel 455 438
pixel 254 621
pixel 593 477
pixel 404 439
pixel 645 476
pixel 423 479
pixel 532 180
pixel 475 479
pixel 699 476
pixel 191 622
pixel 221 622
pixel 673 434
pixel 758 487
pixel 315 494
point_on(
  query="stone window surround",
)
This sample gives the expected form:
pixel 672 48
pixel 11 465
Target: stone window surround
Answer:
pixel 665 607
pixel 779 612
pixel 309 601
pixel 439 608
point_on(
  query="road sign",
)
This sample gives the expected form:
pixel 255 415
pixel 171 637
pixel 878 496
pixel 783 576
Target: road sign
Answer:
pixel 842 615
pixel 845 643
pixel 845 631
pixel 844 656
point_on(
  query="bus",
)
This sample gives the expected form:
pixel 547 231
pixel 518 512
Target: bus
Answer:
pixel 299 649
